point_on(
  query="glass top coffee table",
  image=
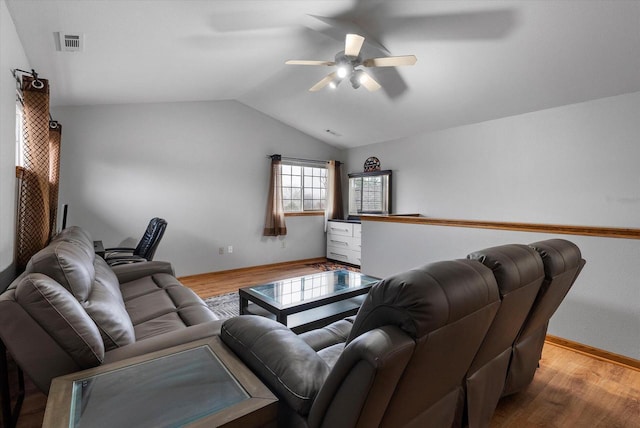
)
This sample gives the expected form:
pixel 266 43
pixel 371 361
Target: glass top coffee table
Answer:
pixel 197 384
pixel 307 302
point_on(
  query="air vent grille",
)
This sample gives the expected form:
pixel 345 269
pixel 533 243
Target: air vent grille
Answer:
pixel 71 42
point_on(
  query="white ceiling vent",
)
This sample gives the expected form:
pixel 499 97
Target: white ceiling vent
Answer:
pixel 69 42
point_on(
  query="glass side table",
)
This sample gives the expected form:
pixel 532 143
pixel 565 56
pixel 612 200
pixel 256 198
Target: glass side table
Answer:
pixel 200 383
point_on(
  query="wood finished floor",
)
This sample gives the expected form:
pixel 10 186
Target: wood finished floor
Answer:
pixel 569 390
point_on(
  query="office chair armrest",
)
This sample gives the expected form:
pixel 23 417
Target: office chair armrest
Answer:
pixel 120 249
pixel 130 272
pixel 117 252
pixel 123 260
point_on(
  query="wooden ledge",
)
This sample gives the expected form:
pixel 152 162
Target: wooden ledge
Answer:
pixel 604 232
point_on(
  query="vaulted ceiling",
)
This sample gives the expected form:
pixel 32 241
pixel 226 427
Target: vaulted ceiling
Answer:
pixel 477 60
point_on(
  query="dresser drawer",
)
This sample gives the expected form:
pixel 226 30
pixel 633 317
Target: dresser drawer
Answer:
pixel 344 255
pixel 339 228
pixel 343 242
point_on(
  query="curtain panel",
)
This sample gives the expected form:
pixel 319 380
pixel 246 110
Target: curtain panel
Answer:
pixel 38 176
pixel 274 224
pixel 55 136
pixel 333 205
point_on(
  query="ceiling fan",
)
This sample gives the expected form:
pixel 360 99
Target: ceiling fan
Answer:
pixel 349 62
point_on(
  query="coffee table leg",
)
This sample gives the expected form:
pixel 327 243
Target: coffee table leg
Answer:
pixel 244 304
pixel 281 318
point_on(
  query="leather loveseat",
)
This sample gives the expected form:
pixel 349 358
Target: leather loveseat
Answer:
pixel 70 311
pixel 436 346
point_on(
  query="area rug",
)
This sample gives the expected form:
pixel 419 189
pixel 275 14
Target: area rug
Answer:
pixel 226 305
pixel 326 266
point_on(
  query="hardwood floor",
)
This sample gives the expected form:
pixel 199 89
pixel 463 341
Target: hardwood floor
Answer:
pixel 216 283
pixel 570 389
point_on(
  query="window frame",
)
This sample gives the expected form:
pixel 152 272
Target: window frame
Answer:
pixel 303 185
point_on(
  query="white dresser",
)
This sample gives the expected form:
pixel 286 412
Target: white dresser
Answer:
pixel 344 241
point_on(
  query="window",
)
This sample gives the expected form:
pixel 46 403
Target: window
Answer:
pixel 19 135
pixel 303 187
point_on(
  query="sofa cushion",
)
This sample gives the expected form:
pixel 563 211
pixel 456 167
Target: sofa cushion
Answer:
pixel 329 335
pixel 60 314
pixel 106 278
pixel 68 264
pixel 161 300
pixel 77 236
pixel 107 311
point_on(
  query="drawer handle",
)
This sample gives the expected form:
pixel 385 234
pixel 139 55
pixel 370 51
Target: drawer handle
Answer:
pixel 343 230
pixel 339 255
pixel 333 241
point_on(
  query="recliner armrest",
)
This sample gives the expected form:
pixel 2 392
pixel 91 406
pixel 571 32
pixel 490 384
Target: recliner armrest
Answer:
pixel 133 271
pixel 381 354
pixel 289 367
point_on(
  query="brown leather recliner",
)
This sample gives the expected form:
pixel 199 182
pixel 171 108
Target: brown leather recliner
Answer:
pixel 563 263
pixel 402 364
pixel 519 273
pixel 70 311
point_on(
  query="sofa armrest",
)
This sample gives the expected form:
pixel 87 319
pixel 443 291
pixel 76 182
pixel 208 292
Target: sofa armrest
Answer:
pixel 163 341
pixel 133 271
pixel 289 367
pixel 363 380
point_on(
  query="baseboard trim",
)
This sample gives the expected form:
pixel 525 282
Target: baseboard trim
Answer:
pixel 599 354
pixel 249 269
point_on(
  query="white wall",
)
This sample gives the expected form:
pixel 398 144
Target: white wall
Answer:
pixel 202 166
pixel 573 165
pixel 576 164
pixel 12 56
pixel 601 310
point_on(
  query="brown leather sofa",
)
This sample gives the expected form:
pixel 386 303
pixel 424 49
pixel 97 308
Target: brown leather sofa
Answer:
pixel 70 311
pixel 436 346
pixel 401 363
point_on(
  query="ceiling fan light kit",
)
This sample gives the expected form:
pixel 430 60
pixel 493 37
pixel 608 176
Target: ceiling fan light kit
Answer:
pixel 348 63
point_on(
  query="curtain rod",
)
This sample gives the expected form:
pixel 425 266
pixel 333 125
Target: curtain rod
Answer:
pixel 297 159
pixel 53 124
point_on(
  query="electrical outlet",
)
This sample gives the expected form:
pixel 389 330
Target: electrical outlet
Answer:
pixel 221 250
pixel 230 249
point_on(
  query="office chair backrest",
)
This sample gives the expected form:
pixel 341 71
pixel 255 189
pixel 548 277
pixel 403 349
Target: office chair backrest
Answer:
pixel 149 242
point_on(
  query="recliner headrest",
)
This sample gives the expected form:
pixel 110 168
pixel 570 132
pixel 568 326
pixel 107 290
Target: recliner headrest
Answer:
pixel 426 298
pixel 513 265
pixel 558 255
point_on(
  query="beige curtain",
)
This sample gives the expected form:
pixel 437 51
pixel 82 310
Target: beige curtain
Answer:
pixel 55 136
pixel 333 204
pixel 37 183
pixel 274 224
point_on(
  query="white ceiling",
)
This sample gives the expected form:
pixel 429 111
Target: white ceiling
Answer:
pixel 477 60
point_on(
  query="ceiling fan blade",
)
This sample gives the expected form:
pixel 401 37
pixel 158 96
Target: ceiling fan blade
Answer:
pixel 308 62
pixel 353 44
pixel 390 61
pixel 324 82
pixel 369 82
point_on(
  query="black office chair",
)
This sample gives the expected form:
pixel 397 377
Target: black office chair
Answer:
pixel 144 251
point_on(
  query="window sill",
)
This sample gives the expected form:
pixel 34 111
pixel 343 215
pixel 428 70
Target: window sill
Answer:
pixel 304 213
